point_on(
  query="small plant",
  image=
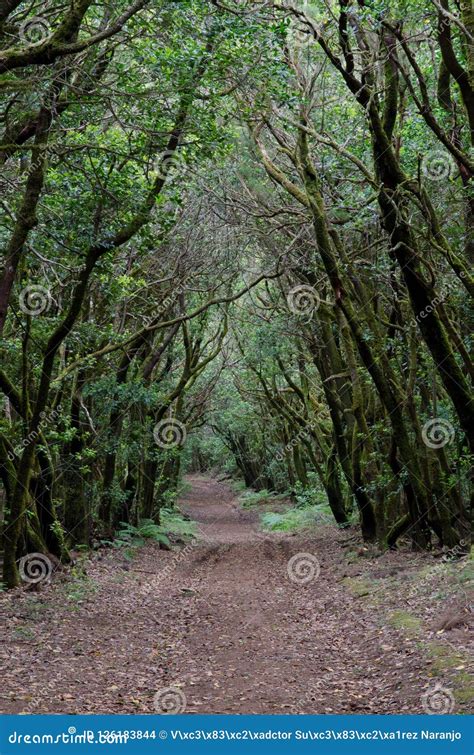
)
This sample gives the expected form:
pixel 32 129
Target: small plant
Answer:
pixel 309 496
pixel 174 523
pixel 251 498
pixel 237 485
pixel 79 588
pixel 294 519
pixel 59 531
pixel 24 633
pixel 169 498
pixel 129 535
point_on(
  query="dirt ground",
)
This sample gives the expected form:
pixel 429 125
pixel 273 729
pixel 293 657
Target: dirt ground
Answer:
pixel 241 622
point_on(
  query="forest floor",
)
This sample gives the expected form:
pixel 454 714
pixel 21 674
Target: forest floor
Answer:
pixel 232 627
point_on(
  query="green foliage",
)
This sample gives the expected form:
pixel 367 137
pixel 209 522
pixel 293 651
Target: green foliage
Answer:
pixel 173 522
pixel 79 587
pixel 309 496
pixel 288 403
pixel 294 519
pixel 129 535
pixel 59 531
pixel 238 486
pixel 251 498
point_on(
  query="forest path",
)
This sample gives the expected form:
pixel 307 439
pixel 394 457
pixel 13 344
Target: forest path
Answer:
pixel 257 637
pixel 221 622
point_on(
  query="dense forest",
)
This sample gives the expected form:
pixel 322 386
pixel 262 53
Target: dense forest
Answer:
pixel 237 238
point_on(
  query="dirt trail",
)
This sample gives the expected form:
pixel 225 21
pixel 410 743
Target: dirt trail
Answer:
pixel 224 622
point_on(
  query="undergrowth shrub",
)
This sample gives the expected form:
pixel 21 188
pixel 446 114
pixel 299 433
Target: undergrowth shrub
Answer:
pixel 172 523
pixel 250 498
pixel 295 518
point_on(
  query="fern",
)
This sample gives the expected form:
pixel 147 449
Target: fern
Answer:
pixel 294 519
pixel 172 521
pixel 146 530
